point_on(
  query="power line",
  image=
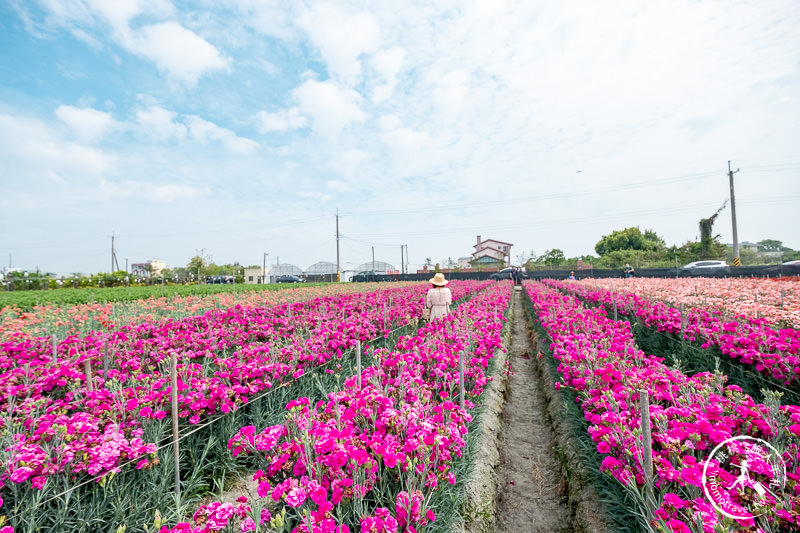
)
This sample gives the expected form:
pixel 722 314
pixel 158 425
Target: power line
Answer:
pixel 551 222
pixel 551 196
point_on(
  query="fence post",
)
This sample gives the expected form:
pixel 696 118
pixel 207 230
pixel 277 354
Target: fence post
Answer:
pixel 647 450
pixel 87 369
pixel 173 375
pixel 358 362
pixel 105 363
pixel 461 378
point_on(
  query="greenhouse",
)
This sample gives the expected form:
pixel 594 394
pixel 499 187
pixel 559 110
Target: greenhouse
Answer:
pixel 284 269
pixel 321 271
pixel 378 267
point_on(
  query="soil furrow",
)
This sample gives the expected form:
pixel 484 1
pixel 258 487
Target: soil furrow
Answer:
pixel 532 492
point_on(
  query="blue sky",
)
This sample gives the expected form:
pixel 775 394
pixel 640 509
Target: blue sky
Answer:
pixel 239 127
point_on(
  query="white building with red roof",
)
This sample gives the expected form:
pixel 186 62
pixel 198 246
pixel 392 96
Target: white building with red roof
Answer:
pixel 491 252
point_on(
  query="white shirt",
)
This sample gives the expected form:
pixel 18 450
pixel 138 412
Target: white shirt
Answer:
pixel 439 300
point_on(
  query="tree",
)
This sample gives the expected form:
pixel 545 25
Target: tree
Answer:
pixel 196 266
pixel 771 245
pixel 707 242
pixel 653 237
pixel 629 239
pixel 552 257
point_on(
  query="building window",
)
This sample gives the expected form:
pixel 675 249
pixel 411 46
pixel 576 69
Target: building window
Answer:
pixel 250 278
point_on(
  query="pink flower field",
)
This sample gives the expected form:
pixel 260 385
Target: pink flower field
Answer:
pixel 776 301
pixel 770 349
pixel 373 452
pixel 690 416
pixel 45 320
pixel 371 455
pixel 62 424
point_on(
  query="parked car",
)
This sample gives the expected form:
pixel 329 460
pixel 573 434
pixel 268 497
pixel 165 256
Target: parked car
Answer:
pixel 220 279
pixel 368 275
pixel 705 268
pixel 787 268
pixel 506 274
pixel 288 279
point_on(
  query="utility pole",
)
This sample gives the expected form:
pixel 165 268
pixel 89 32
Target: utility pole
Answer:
pixel 338 268
pixel 736 261
pixel 373 260
pixel 402 264
pixel 114 261
pixel 264 270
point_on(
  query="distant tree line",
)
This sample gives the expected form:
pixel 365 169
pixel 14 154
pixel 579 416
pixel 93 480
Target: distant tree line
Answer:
pixel 197 271
pixel 646 249
pixel 642 249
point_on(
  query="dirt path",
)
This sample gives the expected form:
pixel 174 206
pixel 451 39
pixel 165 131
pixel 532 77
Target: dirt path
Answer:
pixel 532 492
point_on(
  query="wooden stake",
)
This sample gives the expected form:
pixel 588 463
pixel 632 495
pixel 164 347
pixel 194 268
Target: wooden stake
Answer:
pixel 105 363
pixel 87 369
pixel 461 378
pixel 615 310
pixel 55 348
pixel 173 374
pixel 358 362
pixel 647 446
pixel 783 295
pixel 683 320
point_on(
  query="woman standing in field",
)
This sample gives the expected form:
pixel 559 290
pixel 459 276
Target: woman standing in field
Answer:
pixel 439 298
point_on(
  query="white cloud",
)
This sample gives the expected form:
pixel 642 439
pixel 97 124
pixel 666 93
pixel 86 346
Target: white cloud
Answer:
pixel 387 64
pixel 40 157
pixel 172 191
pixel 160 124
pixel 451 95
pixel 204 131
pixel 330 106
pixel 341 38
pixel 267 17
pixel 176 51
pixel 160 193
pixel 411 152
pixel 315 195
pixel 402 140
pixel 281 121
pixel 88 125
pixel 120 12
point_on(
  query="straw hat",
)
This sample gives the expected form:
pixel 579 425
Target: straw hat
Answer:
pixel 438 279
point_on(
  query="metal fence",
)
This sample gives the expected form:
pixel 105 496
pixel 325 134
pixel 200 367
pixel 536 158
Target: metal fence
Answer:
pixel 762 271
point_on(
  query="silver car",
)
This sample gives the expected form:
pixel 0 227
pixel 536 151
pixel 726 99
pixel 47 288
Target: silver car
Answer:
pixel 705 268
